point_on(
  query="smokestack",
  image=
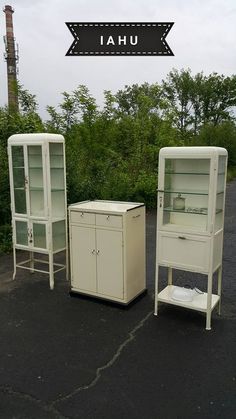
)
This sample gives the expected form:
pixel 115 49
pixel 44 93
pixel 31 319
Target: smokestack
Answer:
pixel 11 57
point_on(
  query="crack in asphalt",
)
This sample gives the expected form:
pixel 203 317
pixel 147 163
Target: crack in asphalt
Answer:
pixel 28 397
pixel 101 369
pixel 49 407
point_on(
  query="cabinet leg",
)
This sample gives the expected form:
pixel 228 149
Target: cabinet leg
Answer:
pixel 169 276
pixel 67 264
pixel 31 262
pixel 209 298
pixel 219 288
pixel 156 292
pixel 51 274
pixel 14 263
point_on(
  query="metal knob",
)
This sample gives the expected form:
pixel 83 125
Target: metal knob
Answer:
pixel 98 251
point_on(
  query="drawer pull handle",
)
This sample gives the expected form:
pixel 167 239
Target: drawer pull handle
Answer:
pixel 82 214
pixel 182 238
pixel 108 217
pixel 136 216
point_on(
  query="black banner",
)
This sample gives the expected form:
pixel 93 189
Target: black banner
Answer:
pixel 119 39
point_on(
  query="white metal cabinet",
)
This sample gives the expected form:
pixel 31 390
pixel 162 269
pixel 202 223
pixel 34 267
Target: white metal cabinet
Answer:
pixel 83 254
pixel 38 199
pixel 107 249
pixel 190 220
pixel 110 263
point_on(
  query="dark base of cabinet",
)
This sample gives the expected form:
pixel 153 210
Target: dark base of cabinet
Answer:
pixel 108 301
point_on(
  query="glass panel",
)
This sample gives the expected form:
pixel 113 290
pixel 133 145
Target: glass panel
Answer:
pixel 22 233
pixel 186 189
pixel 19 179
pixel 58 204
pixel 220 193
pixel 57 179
pixel 187 166
pixel 36 189
pixel 39 235
pixel 59 235
pixel 56 155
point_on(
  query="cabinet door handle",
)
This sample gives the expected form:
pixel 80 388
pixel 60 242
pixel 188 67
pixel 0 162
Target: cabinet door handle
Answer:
pixel 181 237
pixel 98 251
pixel 82 214
pixel 26 182
pixel 30 236
pixel 136 216
pixel 93 252
pixel 108 217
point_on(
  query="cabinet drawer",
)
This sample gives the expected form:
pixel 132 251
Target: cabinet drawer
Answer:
pixel 107 220
pixel 82 217
pixel 184 251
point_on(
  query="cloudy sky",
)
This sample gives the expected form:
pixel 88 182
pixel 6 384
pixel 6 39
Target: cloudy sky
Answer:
pixel 203 38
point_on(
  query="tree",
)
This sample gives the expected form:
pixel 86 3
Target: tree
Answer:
pixel 196 100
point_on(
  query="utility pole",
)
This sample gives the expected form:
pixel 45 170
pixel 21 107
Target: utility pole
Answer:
pixel 11 56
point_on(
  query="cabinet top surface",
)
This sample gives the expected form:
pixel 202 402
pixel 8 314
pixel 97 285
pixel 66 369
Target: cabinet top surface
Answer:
pixel 37 138
pixel 193 151
pixel 105 206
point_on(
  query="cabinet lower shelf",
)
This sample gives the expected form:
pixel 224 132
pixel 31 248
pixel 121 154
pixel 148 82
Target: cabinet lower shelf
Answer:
pixel 199 302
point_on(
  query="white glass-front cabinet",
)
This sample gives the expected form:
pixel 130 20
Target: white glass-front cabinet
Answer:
pixel 190 221
pixel 38 199
pixel 107 249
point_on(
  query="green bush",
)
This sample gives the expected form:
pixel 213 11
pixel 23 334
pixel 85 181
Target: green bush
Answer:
pixel 5 238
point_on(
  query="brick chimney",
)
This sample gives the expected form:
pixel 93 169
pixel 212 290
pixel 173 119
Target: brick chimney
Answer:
pixel 11 57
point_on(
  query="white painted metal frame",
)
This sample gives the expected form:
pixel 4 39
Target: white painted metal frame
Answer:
pixel 213 239
pixel 47 219
pixel 124 219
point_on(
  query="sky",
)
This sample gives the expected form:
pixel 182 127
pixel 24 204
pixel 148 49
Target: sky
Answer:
pixel 203 38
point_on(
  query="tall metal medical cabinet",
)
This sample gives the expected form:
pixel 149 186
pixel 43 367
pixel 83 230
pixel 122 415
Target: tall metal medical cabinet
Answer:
pixel 38 200
pixel 190 220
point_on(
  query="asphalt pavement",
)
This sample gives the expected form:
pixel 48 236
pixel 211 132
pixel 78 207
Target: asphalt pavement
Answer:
pixel 64 357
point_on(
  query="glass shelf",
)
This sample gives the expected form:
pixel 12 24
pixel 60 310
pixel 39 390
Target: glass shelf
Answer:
pixel 187 173
pixel 34 188
pixel 183 192
pixel 188 192
pixel 197 211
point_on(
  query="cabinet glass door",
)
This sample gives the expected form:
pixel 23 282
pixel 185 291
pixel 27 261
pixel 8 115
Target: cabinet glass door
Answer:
pixel 39 235
pixel 36 184
pixel 186 193
pixel 57 180
pixel 21 232
pixel 58 235
pixel 220 194
pixel 18 166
